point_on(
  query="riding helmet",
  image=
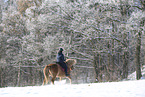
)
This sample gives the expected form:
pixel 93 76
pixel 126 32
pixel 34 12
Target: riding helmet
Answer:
pixel 61 49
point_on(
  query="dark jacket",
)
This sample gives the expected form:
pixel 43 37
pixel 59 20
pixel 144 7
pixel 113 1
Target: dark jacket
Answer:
pixel 60 57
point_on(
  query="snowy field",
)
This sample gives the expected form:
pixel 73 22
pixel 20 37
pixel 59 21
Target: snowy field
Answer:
pixel 60 89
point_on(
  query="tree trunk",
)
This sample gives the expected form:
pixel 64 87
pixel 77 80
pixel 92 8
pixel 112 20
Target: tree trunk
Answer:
pixel 31 76
pixel 125 56
pixel 138 66
pixel 112 62
pixel 125 65
pixel 108 65
pixel 19 72
pixel 1 76
pixel 96 67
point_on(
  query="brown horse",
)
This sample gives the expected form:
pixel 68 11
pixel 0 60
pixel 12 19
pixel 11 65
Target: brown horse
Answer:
pixel 54 70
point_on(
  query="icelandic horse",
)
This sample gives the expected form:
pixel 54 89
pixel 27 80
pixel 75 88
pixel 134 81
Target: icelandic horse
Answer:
pixel 55 70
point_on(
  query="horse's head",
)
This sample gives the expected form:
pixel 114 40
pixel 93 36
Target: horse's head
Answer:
pixel 70 63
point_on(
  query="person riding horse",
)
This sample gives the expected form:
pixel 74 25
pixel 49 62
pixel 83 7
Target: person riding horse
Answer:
pixel 61 61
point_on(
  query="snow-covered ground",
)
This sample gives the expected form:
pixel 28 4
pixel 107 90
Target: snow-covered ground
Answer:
pixel 131 88
pixel 109 89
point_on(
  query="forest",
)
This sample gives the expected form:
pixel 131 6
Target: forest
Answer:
pixel 106 37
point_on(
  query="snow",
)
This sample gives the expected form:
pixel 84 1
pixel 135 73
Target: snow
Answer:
pixel 60 89
pixel 5 0
pixel 133 75
pixel 130 88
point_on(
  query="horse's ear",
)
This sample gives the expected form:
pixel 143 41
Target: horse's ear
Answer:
pixel 75 61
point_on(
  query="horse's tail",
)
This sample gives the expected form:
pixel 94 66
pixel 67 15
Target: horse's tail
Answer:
pixel 46 74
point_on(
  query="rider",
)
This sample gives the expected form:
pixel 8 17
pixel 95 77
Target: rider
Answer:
pixel 60 61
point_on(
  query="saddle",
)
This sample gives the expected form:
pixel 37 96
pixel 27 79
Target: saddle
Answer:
pixel 59 65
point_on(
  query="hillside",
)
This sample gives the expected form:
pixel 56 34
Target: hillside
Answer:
pixel 113 89
pixel 130 88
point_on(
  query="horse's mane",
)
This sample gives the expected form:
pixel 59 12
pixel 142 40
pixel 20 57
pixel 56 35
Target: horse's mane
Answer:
pixel 71 61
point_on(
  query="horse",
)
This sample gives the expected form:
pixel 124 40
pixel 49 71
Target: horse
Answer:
pixel 55 70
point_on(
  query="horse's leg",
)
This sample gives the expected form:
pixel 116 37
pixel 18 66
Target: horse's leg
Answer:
pixel 54 71
pixel 46 74
pixel 43 82
pixel 53 79
pixel 48 79
pixel 59 78
pixel 69 79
